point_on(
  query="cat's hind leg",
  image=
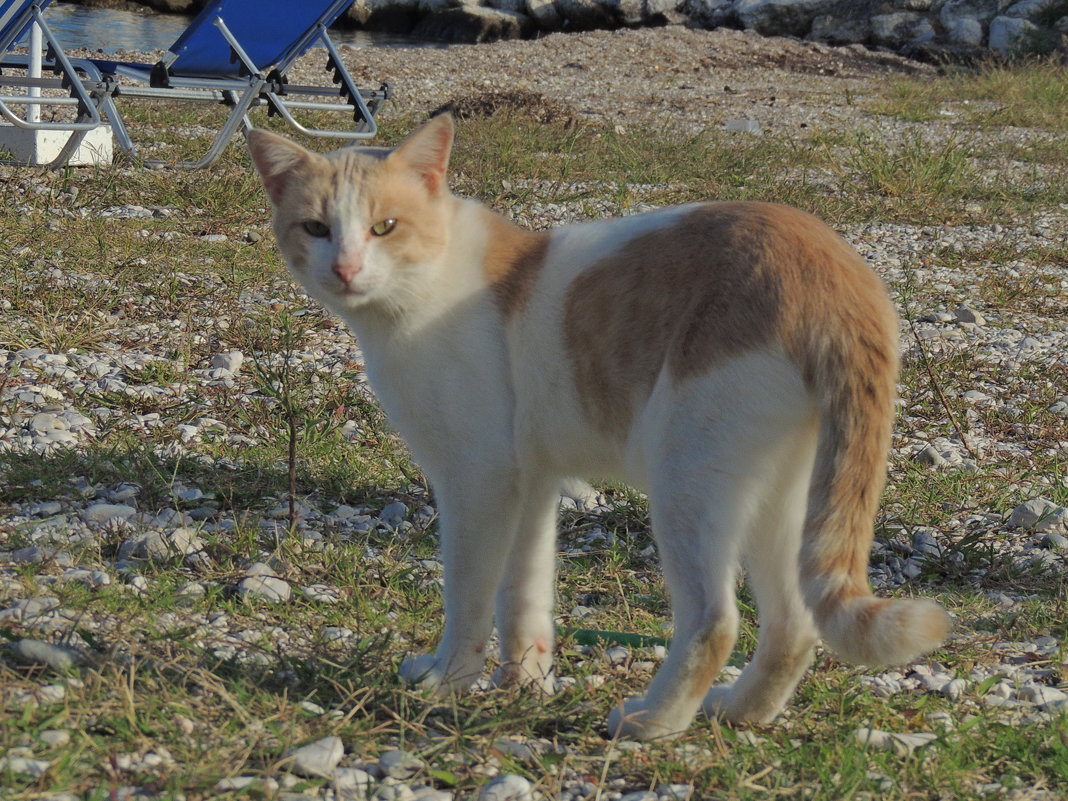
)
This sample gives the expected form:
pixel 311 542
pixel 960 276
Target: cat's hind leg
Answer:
pixel 525 594
pixel 698 551
pixel 787 631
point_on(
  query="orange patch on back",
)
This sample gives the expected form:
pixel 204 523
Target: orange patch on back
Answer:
pixel 724 279
pixel 512 261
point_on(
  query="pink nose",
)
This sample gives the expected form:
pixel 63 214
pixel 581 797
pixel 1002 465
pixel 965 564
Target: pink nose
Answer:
pixel 347 270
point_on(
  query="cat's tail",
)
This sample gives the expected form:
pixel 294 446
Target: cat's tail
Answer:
pixel 854 376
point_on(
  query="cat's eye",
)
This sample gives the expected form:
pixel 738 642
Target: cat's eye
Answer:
pixel 315 228
pixel 384 227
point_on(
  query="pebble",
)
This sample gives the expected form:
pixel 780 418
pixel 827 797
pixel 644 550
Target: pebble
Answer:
pixel 36 652
pixel 103 513
pixel 401 765
pixel 318 758
pixel 230 361
pixel 393 514
pixel 1036 513
pixel 267 588
pixel 24 766
pixel 507 787
pixel 901 744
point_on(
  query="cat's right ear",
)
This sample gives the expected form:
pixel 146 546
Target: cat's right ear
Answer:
pixel 427 151
pixel 276 159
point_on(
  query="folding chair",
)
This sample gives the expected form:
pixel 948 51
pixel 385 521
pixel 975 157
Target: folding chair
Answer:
pixel 77 89
pixel 236 53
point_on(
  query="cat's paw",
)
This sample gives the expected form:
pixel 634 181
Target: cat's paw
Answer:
pixel 427 672
pixel 512 673
pixel 632 720
pixel 717 701
pixel 725 702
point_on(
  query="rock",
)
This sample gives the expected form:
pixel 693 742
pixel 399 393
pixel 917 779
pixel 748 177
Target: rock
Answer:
pixel 37 652
pixel 353 783
pixel 100 514
pixel 674 792
pixel 393 514
pixel 230 361
pixel 1055 542
pixel 982 11
pixel 780 17
pixel 35 554
pixel 930 456
pixel 157 545
pixel 400 765
pixel 900 28
pixel 924 542
pixel 840 29
pixel 544 14
pixel 1041 695
pixel 901 744
pixel 706 13
pixel 1030 515
pixel 318 758
pixel 1008 35
pixel 507 787
pixel 55 738
pixel 267 588
pixel 966 314
pixel 1030 9
pixel 24 766
pixel 617 655
pixel 473 25
pixel 954 689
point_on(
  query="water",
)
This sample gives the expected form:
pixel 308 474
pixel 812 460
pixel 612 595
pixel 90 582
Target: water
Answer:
pixel 111 29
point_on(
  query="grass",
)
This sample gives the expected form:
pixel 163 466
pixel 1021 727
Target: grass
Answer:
pixel 183 690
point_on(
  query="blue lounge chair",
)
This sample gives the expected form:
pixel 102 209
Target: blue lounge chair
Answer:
pixel 62 87
pixel 235 53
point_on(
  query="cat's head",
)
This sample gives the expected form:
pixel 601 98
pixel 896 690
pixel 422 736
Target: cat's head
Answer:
pixel 357 226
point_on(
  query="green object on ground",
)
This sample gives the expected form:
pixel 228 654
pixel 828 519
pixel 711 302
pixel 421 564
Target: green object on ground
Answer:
pixel 593 637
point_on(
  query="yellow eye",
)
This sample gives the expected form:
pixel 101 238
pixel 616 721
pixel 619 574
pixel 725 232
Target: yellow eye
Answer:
pixel 384 227
pixel 315 228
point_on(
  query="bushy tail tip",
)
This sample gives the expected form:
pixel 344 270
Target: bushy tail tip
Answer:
pixel 879 631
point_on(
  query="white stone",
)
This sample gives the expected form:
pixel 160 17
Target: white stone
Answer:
pixel 507 787
pixel 1031 514
pixel 267 588
pixel 901 744
pixel 318 758
pixel 24 766
pixel 101 513
pixel 230 361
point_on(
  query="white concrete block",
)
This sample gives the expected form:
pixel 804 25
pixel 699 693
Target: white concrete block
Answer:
pixel 35 148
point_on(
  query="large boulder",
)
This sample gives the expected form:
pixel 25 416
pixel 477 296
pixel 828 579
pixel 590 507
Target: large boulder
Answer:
pixel 781 17
pixel 1008 35
pixel 473 25
pixel 900 28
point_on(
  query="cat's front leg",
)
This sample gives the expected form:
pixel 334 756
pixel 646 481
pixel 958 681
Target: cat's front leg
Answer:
pixel 525 594
pixel 477 528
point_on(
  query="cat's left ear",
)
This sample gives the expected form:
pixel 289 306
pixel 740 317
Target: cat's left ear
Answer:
pixel 427 151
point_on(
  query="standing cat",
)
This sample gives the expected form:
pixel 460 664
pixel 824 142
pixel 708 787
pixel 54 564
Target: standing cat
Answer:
pixel 735 360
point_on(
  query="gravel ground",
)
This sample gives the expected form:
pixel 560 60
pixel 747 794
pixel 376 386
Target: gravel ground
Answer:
pixel 685 78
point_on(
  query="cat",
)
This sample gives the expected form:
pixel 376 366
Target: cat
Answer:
pixel 735 360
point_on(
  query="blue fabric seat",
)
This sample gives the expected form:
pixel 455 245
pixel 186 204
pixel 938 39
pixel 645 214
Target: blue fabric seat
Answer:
pixel 236 53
